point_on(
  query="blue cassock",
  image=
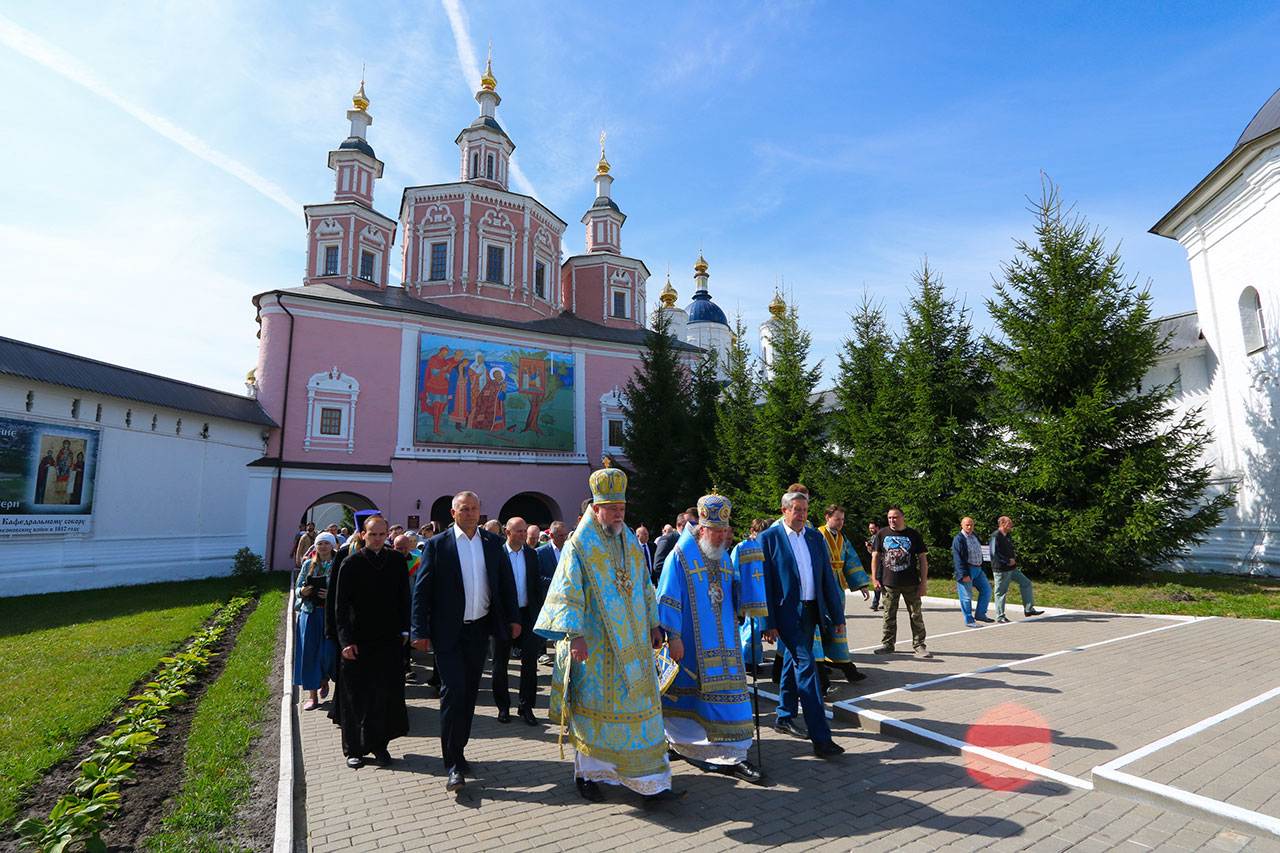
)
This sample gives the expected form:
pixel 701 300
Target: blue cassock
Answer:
pixel 700 604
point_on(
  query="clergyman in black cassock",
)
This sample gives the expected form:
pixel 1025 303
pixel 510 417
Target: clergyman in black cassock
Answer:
pixel 371 616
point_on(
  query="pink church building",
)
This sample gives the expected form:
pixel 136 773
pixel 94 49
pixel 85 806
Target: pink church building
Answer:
pixel 496 366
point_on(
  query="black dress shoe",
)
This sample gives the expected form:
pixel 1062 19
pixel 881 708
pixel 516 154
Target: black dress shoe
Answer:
pixel 746 771
pixel 528 717
pixel 355 762
pixel 1034 612
pixel 984 618
pixel 830 749
pixel 855 676
pixel 381 757
pixel 504 716
pixel 788 727
pixel 456 780
pixel 590 791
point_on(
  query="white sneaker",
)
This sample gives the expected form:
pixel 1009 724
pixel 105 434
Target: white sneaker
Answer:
pixel 923 652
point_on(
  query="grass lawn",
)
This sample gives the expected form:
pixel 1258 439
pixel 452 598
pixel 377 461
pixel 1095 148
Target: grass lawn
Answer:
pixel 1165 592
pixel 226 722
pixel 67 659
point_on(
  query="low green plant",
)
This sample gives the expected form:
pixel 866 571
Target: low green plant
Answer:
pixel 246 565
pixel 81 815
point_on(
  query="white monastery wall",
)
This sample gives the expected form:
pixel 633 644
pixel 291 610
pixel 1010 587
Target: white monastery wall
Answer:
pixel 166 505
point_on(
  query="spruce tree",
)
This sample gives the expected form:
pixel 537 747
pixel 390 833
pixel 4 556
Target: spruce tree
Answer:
pixel 655 403
pixel 863 463
pixel 704 396
pixel 1103 480
pixel 790 425
pixel 736 454
pixel 940 426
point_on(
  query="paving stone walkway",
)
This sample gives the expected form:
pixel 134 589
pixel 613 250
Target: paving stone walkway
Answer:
pixel 884 793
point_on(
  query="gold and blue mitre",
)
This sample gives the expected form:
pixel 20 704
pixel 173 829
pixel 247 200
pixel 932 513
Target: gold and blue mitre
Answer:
pixel 714 511
pixel 608 486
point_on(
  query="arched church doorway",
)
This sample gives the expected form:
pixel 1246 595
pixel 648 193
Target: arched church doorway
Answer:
pixel 533 507
pixel 336 508
pixel 440 511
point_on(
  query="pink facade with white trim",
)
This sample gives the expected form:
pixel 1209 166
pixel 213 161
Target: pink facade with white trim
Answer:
pixel 371 413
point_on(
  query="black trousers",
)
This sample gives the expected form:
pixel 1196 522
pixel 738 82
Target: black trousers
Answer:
pixel 460 668
pixel 531 648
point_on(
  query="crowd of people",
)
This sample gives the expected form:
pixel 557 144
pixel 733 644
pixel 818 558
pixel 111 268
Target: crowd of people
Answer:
pixel 652 642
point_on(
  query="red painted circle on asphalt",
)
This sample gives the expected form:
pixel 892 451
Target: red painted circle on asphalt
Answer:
pixel 1012 730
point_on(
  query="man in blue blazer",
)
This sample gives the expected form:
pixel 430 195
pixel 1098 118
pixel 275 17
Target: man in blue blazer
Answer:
pixel 802 593
pixel 463 594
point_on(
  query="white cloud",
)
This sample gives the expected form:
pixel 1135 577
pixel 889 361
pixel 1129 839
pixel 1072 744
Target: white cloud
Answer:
pixel 471 73
pixel 38 50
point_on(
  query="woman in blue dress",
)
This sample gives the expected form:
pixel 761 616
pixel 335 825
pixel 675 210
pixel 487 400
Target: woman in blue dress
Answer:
pixel 314 656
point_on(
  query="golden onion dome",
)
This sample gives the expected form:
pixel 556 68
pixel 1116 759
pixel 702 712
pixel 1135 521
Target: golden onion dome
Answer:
pixel 487 81
pixel 701 266
pixel 251 378
pixel 360 100
pixel 668 296
pixel 777 307
pixel 602 168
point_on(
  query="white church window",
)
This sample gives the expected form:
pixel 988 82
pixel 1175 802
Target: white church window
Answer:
pixel 330 421
pixel 612 421
pixel 1252 322
pixel 540 279
pixel 620 303
pixel 494 264
pixel 439 261
pixel 331 411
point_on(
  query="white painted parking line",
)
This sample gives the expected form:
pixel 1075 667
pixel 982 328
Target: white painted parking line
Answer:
pixel 983 752
pixel 765 694
pixel 1189 731
pixel 1185 802
pixel 966 630
pixel 1010 664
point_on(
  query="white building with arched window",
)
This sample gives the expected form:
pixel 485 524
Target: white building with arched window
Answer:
pixel 1230 363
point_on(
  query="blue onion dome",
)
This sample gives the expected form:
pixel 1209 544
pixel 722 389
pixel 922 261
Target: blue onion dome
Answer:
pixel 355 143
pixel 703 310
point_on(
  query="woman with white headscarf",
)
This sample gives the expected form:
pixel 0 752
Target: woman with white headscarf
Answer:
pixel 314 656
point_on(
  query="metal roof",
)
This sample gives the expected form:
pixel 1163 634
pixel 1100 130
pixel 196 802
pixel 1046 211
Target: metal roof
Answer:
pixel 703 310
pixel 566 324
pixel 1183 330
pixel 1267 120
pixel 18 358
pixel 355 143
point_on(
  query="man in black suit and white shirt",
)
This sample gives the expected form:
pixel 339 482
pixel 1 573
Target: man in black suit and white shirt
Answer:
pixel 529 598
pixel 463 595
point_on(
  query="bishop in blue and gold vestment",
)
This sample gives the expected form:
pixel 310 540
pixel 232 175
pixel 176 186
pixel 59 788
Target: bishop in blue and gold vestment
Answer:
pixel 707 710
pixel 601 613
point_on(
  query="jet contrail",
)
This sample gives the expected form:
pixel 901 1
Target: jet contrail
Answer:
pixel 471 68
pixel 36 49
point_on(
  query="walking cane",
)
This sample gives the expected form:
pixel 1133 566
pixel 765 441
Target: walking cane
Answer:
pixel 755 689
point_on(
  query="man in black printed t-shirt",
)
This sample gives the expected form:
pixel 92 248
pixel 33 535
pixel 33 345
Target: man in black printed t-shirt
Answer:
pixel 900 567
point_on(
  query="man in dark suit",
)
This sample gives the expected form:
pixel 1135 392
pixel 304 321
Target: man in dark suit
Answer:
pixel 667 541
pixel 646 551
pixel 802 593
pixel 463 595
pixel 549 554
pixel 529 598
pixel 548 559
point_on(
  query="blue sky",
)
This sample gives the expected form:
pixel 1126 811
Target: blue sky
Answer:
pixel 158 152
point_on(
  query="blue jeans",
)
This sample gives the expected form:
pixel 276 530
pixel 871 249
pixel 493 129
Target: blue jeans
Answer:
pixel 965 591
pixel 800 680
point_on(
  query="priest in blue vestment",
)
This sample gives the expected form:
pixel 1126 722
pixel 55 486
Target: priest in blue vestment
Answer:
pixel 601 613
pixel 706 712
